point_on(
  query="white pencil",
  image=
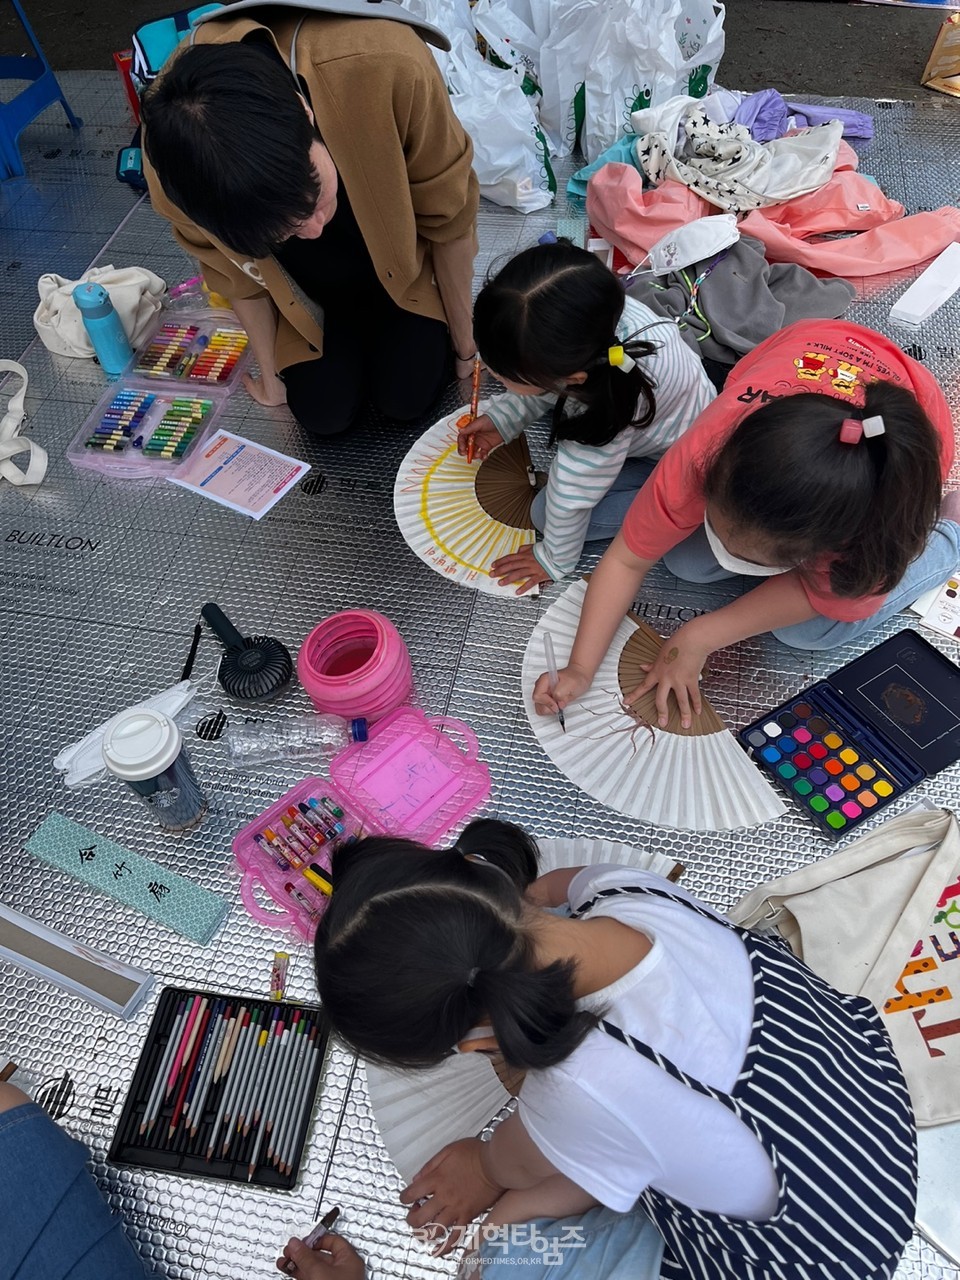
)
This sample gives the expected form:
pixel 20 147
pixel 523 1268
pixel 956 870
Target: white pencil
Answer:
pixel 301 1101
pixel 284 1115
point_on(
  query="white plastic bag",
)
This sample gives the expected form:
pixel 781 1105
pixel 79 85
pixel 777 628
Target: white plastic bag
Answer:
pixel 514 31
pixel 564 56
pixel 510 153
pixel 646 52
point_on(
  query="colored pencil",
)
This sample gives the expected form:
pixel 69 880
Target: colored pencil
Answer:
pixel 283 1082
pixel 201 1028
pixel 186 1032
pixel 474 402
pixel 152 1109
pixel 295 1112
pixel 247 1034
pixel 198 1100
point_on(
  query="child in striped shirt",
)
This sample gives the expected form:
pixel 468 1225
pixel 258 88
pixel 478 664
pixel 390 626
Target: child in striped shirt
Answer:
pixel 557 330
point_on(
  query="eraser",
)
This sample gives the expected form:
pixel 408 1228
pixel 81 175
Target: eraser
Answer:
pixel 931 289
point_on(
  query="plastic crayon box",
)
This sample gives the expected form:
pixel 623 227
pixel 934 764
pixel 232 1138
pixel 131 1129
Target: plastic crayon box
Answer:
pixel 199 348
pixel 144 431
pixel 416 776
pixel 847 747
pixel 283 1076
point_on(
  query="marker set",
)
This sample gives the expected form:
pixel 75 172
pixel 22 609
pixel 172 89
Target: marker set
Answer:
pixel 411 778
pixel 288 851
pixel 163 427
pixel 201 347
pixel 850 745
pixel 224 1088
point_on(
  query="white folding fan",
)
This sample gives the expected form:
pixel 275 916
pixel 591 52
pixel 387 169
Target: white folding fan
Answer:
pixel 696 779
pixel 418 1112
pixel 459 517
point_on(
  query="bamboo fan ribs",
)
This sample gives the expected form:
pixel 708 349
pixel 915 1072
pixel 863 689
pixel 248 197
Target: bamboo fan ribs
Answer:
pixel 695 779
pixel 459 517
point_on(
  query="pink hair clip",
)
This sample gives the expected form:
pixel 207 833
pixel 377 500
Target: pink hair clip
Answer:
pixel 851 431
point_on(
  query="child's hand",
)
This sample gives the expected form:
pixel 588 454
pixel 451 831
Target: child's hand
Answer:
pixel 572 683
pixel 454 1189
pixel 676 670
pixel 522 567
pixel 331 1258
pixel 484 435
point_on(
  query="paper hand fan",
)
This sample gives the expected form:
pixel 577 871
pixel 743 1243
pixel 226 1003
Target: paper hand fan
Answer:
pixel 418 1112
pixel 459 517
pixel 696 779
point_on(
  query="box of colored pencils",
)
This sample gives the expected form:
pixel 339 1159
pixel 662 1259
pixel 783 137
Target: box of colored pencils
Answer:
pixel 144 432
pixel 850 745
pixel 201 348
pixel 225 1088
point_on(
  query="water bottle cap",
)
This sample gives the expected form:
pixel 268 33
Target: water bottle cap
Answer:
pixel 93 300
pixel 358 729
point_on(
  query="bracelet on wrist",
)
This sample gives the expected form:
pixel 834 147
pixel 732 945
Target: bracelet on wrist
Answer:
pixel 466 359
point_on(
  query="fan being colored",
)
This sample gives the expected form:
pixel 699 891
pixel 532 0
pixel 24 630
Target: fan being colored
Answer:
pixel 695 779
pixel 459 517
pixel 418 1112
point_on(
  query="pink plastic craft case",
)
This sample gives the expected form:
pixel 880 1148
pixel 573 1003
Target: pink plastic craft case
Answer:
pixel 410 778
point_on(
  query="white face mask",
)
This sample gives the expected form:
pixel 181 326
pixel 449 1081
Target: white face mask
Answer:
pixel 733 564
pixel 693 242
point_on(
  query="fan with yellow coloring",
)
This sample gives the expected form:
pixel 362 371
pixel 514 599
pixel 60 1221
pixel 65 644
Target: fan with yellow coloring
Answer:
pixel 459 517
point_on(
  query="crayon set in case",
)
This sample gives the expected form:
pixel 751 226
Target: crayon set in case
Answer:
pixel 848 746
pixel 410 778
pixel 224 1088
pixel 139 432
pixel 196 348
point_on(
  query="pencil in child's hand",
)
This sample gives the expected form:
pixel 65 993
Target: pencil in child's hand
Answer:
pixel 474 402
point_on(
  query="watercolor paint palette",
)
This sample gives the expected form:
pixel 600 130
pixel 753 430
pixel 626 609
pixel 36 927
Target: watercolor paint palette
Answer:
pixel 848 746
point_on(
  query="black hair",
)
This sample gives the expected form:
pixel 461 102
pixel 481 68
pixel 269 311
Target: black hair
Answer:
pixel 420 945
pixel 227 133
pixel 550 312
pixel 784 472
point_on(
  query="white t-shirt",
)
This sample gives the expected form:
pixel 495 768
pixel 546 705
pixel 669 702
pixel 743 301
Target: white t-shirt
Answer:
pixel 614 1122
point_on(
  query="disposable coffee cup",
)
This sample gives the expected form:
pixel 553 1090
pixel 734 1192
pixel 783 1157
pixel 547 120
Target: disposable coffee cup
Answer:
pixel 145 748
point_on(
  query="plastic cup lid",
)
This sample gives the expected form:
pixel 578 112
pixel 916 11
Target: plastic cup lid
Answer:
pixel 140 744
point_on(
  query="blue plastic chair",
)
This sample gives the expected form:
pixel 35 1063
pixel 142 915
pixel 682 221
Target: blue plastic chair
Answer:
pixel 43 92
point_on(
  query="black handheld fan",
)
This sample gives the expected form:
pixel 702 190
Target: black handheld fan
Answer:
pixel 253 668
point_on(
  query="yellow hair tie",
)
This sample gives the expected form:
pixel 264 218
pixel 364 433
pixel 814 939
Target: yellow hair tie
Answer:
pixel 618 358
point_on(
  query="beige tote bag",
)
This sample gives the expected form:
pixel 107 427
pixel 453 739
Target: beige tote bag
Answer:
pixel 881 918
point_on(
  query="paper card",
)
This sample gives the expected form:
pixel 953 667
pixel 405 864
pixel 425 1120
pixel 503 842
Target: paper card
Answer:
pixel 941 609
pixel 240 474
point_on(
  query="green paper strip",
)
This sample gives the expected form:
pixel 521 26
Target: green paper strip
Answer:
pixel 152 889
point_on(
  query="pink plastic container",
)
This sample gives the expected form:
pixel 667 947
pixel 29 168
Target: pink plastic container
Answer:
pixel 417 776
pixel 355 664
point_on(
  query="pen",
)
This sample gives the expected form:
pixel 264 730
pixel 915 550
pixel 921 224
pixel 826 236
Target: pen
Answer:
pixel 474 402
pixel 552 672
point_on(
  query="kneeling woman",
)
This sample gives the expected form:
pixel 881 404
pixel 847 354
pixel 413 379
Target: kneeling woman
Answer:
pixel 673 1061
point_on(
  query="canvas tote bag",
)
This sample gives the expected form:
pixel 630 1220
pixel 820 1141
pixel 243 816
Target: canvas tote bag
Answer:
pixel 881 918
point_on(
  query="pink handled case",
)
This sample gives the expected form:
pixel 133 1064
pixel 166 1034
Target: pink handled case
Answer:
pixel 411 778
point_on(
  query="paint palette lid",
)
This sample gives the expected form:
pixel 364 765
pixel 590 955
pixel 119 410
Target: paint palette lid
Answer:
pixel 412 778
pixel 911 692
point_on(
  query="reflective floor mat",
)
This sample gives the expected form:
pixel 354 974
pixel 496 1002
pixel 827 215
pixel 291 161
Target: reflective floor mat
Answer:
pixel 101 585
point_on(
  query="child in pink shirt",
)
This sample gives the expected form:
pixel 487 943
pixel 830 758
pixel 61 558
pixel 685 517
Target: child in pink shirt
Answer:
pixel 819 468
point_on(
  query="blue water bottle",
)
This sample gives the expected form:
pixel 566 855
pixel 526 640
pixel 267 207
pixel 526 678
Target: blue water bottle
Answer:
pixel 110 344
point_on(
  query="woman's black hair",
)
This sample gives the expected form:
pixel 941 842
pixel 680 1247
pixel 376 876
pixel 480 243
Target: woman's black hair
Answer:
pixel 227 133
pixel 785 473
pixel 418 946
pixel 550 312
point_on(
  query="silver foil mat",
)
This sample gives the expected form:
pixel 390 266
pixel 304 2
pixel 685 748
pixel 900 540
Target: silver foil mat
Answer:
pixel 93 625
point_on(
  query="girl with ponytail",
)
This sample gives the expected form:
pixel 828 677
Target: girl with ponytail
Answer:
pixel 555 327
pixel 695 1101
pixel 818 468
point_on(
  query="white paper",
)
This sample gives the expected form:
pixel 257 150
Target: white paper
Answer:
pixel 240 474
pixel 940 609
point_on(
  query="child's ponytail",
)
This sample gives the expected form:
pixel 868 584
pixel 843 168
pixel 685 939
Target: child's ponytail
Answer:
pixel 552 312
pixel 786 475
pixel 533 1012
